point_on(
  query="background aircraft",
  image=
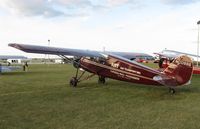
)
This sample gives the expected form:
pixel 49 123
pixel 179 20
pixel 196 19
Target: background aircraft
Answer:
pixel 8 59
pixel 9 68
pixel 167 56
pixel 118 65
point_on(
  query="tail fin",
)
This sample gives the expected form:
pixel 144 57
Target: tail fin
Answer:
pixel 180 70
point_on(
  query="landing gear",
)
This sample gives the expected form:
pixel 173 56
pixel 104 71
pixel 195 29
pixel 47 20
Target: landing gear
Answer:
pixel 101 80
pixel 75 80
pixel 172 91
pixel 78 77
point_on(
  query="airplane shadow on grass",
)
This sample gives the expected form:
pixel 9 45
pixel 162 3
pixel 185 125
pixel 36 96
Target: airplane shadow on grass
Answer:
pixel 145 91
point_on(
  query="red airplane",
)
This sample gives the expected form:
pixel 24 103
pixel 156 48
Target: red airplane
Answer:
pixel 167 56
pixel 117 66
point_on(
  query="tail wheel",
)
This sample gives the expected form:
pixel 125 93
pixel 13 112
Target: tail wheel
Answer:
pixel 73 82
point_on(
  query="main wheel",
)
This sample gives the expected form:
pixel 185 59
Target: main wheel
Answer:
pixel 172 91
pixel 73 82
pixel 101 80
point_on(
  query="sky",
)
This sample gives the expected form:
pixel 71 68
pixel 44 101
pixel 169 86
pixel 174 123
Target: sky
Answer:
pixel 117 25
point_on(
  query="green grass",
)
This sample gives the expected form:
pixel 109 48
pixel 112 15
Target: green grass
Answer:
pixel 42 99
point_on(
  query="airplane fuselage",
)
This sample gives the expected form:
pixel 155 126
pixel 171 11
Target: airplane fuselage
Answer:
pixel 119 69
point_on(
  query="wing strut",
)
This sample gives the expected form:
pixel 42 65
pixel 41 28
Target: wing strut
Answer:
pixel 66 58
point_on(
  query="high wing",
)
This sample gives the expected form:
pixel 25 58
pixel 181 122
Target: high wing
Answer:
pixel 133 55
pixel 54 50
pixel 181 53
pixel 73 52
pixel 173 54
pixel 166 55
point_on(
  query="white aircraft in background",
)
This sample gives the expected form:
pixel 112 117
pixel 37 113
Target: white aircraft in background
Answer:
pixel 9 68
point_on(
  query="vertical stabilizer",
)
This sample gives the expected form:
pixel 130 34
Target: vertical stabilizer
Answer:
pixel 180 70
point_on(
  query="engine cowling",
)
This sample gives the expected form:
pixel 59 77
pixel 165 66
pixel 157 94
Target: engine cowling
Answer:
pixel 76 63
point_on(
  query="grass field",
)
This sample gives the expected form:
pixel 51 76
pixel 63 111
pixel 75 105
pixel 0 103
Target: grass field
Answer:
pixel 42 99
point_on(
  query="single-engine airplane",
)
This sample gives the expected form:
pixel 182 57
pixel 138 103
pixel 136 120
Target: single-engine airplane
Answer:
pixel 117 65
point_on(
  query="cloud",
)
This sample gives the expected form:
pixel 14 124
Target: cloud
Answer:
pixel 117 2
pixel 74 3
pixel 121 2
pixel 48 8
pixel 30 8
pixel 72 8
pixel 178 2
pixel 53 8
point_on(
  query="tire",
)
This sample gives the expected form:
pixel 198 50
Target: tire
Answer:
pixel 101 80
pixel 73 82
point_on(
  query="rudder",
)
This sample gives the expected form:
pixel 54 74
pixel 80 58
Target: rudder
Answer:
pixel 180 70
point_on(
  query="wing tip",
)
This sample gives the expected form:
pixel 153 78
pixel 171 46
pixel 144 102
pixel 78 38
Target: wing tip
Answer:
pixel 15 45
pixel 12 44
